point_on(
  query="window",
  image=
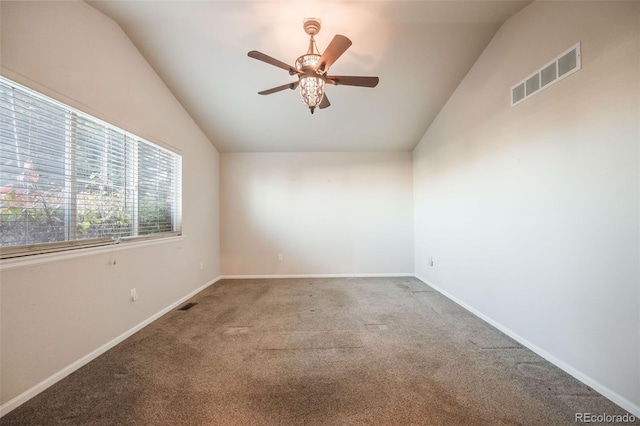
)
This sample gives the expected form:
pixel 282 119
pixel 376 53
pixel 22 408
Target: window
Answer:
pixel 70 180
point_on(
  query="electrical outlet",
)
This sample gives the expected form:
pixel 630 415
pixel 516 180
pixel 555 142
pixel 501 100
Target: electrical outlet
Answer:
pixel 280 256
pixel 430 260
pixel 201 265
pixel 134 295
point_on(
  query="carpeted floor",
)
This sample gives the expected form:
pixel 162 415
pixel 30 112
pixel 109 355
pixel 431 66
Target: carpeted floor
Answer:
pixel 347 351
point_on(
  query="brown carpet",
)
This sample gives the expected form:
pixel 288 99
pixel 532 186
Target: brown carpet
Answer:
pixel 340 351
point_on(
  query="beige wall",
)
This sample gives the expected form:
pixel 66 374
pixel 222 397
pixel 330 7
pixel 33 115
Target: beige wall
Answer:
pixel 62 308
pixel 531 213
pixel 326 213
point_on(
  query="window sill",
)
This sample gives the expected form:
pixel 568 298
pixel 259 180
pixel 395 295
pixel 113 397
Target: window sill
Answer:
pixel 38 259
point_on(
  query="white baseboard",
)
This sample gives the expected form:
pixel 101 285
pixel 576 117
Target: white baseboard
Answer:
pixel 632 408
pixel 249 277
pixel 51 380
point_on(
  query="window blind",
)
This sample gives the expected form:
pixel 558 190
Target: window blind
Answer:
pixel 67 178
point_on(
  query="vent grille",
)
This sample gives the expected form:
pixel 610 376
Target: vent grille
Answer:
pixel 517 93
pixel 562 66
pixel 548 74
pixel 187 306
pixel 533 84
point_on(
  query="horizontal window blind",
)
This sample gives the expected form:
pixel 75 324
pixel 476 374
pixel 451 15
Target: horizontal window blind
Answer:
pixel 68 179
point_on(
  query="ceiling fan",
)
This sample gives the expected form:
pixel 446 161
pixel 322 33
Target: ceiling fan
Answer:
pixel 312 67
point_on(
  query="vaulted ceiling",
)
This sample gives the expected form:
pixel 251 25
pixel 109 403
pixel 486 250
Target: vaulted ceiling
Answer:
pixel 421 50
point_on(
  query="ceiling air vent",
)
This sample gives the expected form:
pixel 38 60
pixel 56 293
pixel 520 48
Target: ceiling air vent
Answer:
pixel 562 66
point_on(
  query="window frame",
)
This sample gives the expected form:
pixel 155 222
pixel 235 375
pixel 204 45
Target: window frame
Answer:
pixel 131 143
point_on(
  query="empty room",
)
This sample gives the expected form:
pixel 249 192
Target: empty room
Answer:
pixel 319 212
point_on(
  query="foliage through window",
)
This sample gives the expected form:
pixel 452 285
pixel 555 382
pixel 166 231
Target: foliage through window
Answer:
pixel 68 177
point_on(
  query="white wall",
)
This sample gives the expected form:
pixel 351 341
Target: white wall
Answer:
pixel 532 213
pixel 54 313
pixel 326 213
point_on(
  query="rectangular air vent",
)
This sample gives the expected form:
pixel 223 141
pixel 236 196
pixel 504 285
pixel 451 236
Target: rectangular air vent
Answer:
pixel 562 66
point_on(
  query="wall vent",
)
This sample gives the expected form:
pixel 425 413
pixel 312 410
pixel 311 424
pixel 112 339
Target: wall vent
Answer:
pixel 562 66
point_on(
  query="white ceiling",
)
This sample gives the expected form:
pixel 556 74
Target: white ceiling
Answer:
pixel 421 50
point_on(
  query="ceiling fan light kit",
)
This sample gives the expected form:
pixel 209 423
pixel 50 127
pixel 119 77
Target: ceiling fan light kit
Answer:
pixel 311 85
pixel 311 69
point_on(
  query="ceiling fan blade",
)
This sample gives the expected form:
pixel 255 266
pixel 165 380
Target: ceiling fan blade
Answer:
pixel 336 48
pixel 348 80
pixel 279 88
pixel 325 102
pixel 272 61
